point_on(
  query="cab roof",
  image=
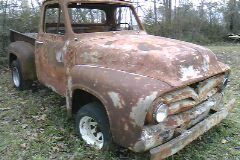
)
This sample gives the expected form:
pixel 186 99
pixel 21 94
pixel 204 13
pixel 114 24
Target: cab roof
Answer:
pixel 97 1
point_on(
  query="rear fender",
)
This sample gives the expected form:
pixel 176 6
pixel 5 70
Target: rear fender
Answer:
pixel 24 52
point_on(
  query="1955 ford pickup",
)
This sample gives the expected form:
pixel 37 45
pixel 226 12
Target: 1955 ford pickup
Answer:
pixel 142 92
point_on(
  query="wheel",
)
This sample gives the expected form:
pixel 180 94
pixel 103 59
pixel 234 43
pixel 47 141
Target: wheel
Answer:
pixel 17 77
pixel 93 127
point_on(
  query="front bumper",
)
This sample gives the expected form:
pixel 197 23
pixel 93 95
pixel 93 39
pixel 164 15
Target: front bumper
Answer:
pixel 173 146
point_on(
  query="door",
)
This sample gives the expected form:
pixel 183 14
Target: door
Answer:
pixel 51 50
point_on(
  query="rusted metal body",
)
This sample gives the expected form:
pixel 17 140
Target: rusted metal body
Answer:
pixel 16 36
pixel 131 73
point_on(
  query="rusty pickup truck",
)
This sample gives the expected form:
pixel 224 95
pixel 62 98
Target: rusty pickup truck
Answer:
pixel 123 86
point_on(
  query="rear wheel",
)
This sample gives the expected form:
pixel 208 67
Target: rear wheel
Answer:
pixel 93 127
pixel 17 77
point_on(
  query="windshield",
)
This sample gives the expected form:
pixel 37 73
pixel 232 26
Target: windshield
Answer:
pixel 102 17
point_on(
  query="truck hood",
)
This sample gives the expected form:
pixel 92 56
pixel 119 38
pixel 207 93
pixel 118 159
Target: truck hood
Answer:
pixel 174 62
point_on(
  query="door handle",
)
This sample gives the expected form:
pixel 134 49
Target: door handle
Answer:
pixel 39 42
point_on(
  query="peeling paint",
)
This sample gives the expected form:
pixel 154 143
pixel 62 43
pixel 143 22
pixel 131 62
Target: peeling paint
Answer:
pixel 139 111
pixel 51 87
pixel 116 98
pixel 59 57
pixel 69 93
pixel 148 139
pixel 65 47
pixel 61 54
pixel 189 72
pixel 206 61
pixel 126 128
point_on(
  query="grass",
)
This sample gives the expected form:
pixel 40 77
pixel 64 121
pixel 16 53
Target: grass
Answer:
pixel 33 124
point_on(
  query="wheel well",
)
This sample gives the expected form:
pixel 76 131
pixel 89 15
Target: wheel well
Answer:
pixel 81 98
pixel 12 57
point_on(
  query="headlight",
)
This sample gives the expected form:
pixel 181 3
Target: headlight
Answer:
pixel 161 113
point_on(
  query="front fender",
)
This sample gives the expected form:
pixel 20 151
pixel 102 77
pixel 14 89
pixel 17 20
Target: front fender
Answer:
pixel 126 97
pixel 25 54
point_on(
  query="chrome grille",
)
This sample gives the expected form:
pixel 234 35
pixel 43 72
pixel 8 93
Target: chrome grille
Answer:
pixel 186 98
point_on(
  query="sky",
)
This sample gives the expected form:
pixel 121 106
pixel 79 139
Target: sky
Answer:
pixel 147 4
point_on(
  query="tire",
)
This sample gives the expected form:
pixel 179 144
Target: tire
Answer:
pixel 17 77
pixel 91 117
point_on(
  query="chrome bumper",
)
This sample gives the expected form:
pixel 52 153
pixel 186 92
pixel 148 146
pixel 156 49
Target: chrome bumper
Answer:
pixel 173 146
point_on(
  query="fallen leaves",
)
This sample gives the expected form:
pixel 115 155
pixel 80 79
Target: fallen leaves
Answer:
pixel 24 126
pixel 23 102
pixel 58 138
pixel 59 147
pixel 5 109
pixel 223 141
pixel 23 146
pixel 40 118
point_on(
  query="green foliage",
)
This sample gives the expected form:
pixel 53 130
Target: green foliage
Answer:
pixel 204 24
pixel 232 16
pixel 18 16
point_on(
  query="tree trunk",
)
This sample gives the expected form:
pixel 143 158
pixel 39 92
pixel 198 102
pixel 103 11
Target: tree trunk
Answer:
pixel 155 11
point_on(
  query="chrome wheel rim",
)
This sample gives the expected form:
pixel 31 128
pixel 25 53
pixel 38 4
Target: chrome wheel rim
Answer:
pixel 90 132
pixel 16 77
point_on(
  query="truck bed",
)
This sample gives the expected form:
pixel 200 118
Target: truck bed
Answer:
pixel 26 37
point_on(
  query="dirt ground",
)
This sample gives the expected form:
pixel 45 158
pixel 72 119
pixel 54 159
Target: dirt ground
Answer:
pixel 33 124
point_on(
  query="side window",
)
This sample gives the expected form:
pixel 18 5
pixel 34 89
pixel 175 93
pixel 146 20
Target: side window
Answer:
pixel 87 16
pixel 125 19
pixel 53 20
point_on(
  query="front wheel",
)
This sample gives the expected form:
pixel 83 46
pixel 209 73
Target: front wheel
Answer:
pixel 93 127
